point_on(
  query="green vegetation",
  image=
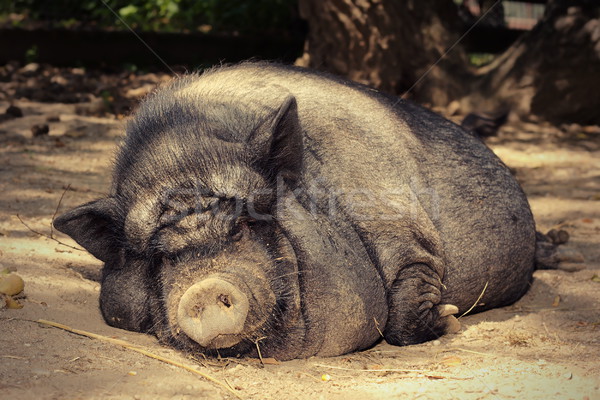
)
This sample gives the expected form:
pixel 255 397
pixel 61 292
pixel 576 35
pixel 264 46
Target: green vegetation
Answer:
pixel 31 55
pixel 480 59
pixel 156 15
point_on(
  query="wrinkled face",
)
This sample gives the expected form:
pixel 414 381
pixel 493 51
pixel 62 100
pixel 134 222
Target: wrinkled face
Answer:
pixel 190 248
pixel 222 277
pixel 222 274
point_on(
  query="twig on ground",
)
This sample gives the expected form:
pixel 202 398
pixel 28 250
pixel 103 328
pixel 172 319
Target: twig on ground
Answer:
pixel 47 236
pixel 476 301
pixel 13 357
pixel 140 350
pixel 56 211
pixel 258 349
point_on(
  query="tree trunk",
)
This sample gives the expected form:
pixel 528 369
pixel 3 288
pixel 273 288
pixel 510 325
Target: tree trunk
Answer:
pixel 553 71
pixel 387 44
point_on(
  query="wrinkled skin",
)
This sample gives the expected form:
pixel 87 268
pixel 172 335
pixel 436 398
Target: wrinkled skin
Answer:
pixel 262 205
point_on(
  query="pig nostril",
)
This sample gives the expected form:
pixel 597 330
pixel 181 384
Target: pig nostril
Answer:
pixel 237 236
pixel 223 298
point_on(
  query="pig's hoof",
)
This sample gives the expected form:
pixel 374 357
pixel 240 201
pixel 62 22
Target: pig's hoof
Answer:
pixel 447 309
pixel 452 324
pixel 447 318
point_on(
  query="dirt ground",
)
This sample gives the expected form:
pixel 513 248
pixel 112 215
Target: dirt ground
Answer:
pixel 546 346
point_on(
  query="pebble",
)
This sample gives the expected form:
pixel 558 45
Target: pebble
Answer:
pixel 30 68
pixel 40 130
pixel 436 342
pixel 14 111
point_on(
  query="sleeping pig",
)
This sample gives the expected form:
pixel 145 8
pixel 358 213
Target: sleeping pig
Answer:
pixel 272 206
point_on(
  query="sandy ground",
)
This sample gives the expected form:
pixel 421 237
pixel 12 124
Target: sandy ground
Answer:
pixel 546 346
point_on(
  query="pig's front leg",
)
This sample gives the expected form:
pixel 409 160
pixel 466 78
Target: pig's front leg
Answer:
pixel 415 315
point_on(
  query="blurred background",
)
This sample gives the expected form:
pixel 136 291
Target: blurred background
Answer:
pixel 534 59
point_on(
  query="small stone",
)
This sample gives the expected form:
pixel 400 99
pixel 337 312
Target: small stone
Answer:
pixel 568 375
pixel 132 373
pixel 30 69
pixel 14 111
pixel 59 80
pixel 40 130
pixel 436 343
pixel 11 284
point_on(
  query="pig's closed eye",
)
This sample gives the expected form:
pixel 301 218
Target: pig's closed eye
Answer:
pixel 171 216
pixel 242 227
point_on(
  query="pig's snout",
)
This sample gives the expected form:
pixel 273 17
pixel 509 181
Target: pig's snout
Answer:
pixel 212 312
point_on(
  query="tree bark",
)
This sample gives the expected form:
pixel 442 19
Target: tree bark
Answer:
pixel 551 71
pixel 387 44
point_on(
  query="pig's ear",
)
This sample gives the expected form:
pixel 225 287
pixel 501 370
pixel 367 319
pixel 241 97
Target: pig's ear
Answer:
pixel 94 226
pixel 277 142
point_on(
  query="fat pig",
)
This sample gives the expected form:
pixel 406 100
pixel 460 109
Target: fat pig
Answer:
pixel 260 201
